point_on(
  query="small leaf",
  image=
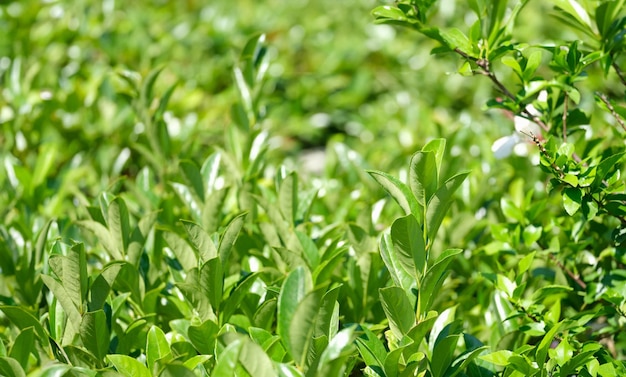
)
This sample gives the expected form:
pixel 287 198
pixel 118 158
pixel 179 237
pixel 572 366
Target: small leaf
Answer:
pixel 440 203
pixel 399 191
pixel 129 366
pixel 572 200
pixel 157 347
pixel 500 358
pixel 398 310
pixel 423 176
pixel 408 241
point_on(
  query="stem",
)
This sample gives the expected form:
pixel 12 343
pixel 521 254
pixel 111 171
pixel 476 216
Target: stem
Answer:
pixel 564 119
pixel 619 72
pixel 608 104
pixel 485 67
pixel 569 273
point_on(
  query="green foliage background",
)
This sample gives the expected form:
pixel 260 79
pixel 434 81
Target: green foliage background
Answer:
pixel 128 166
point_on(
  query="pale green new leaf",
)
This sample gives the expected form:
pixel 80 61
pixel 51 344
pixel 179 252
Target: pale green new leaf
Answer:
pixel 157 347
pixel 129 366
pixel 423 176
pixel 440 203
pixel 398 310
pixel 408 242
pixel 399 191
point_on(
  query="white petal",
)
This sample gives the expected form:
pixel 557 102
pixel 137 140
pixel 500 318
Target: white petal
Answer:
pixel 503 147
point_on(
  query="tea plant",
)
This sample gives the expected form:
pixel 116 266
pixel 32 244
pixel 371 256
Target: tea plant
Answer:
pixel 578 317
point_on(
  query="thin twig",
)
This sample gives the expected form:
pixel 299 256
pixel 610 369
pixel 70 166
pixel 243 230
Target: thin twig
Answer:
pixel 485 67
pixel 569 273
pixel 564 119
pixel 608 104
pixel 619 72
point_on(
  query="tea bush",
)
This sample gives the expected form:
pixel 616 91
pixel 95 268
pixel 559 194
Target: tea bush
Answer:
pixel 287 189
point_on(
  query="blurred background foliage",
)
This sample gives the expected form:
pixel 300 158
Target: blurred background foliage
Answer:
pixel 341 95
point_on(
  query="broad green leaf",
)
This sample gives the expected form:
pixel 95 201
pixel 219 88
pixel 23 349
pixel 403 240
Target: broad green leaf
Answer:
pixel 438 147
pixel 176 370
pixel 65 298
pixel 104 237
pixel 408 241
pixel 230 236
pixel 398 310
pixel 572 200
pixel 434 278
pixel 118 224
pixel 423 176
pixel 440 203
pixel 400 268
pixel 185 255
pixel 288 198
pixel 302 326
pixel 95 334
pixel 500 358
pixel 46 159
pixel 227 361
pixel 443 352
pixel 544 345
pixel 255 361
pixel 371 349
pixel 212 282
pixel 10 367
pixel 148 86
pixel 399 191
pixel 129 366
pixel 193 177
pixel 23 346
pixel 203 337
pixel 387 12
pixel 23 320
pixel 201 241
pixel 574 9
pixel 333 361
pixel 455 39
pixel 71 270
pixel 210 173
pixel 157 347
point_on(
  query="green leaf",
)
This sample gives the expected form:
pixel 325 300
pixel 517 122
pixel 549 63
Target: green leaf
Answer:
pixel 288 198
pixel 95 334
pixel 398 310
pixel 500 358
pixel 203 337
pixel 255 361
pixel 10 367
pixel 176 370
pixel 408 241
pixel 118 224
pixel 399 191
pixel 400 268
pixel 440 203
pixel 23 320
pixel 456 39
pixel 227 361
pixel 423 176
pixel 293 290
pixel 230 236
pixel 157 347
pixel 544 345
pixel 572 200
pixel 65 298
pixel 212 282
pixel 23 346
pixel 372 350
pixel 193 177
pixel 434 278
pixel 129 366
pixel 387 12
pixel 302 326
pixel 201 241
